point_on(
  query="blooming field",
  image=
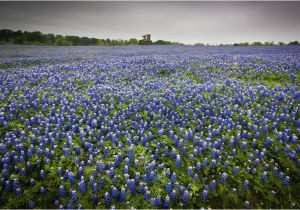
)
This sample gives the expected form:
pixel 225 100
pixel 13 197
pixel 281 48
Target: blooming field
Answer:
pixel 149 127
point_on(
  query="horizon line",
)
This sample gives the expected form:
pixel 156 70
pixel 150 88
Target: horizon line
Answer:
pixel 184 43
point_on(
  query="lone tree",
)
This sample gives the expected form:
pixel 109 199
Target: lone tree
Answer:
pixel 146 39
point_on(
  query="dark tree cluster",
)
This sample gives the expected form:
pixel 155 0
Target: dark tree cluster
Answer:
pixel 37 38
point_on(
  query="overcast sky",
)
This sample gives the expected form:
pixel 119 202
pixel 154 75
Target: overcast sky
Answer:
pixel 187 22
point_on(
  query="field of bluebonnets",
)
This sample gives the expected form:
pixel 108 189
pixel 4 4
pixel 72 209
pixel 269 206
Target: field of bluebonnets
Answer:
pixel 149 127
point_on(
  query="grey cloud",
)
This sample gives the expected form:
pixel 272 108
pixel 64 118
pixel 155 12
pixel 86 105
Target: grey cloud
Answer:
pixel 188 22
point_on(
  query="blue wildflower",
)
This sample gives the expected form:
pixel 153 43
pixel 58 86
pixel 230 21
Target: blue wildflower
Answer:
pixel 185 197
pixel 224 178
pixel 204 195
pixel 123 195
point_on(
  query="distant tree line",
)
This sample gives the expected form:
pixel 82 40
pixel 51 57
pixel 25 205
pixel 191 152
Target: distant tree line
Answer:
pixel 252 44
pixel 37 38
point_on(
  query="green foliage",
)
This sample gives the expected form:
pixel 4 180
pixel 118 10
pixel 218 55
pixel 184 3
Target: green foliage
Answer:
pixel 293 43
pixel 62 42
pixel 252 44
pixel 199 44
pixel 133 41
pixel 146 40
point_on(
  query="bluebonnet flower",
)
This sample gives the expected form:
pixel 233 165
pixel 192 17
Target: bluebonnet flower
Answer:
pixel 136 163
pixel 91 181
pixel 73 196
pixel 236 170
pixel 173 153
pixel 253 143
pixel 56 202
pixel 166 204
pixel 114 192
pixel 126 169
pixel 173 195
pixel 173 177
pixel 160 133
pixel 256 162
pixel 181 131
pixel 70 206
pixel 95 199
pixel 131 184
pixel 147 195
pixel 127 161
pixel 261 155
pixel 185 197
pixel 82 187
pixel 213 163
pixel 32 182
pixel 95 188
pixel 71 177
pixel 153 202
pixel 212 185
pixel 111 172
pixel 158 201
pixel 178 161
pixel 268 141
pixel 224 178
pixel 7 185
pixel 15 184
pixel 264 177
pixel 18 192
pixel 246 185
pixel 94 123
pixel 230 143
pixel 107 199
pixel 189 171
pixel 67 152
pixel 168 187
pixel 123 195
pixel 115 180
pixel 204 195
pixel 60 171
pixel 131 152
pixel 254 171
pixel 42 190
pixel 62 191
pixel 286 180
pixel 196 177
pixel 28 166
pixel 275 170
pixel 281 175
pixel 205 162
pixel 244 145
pixel 294 139
pixel 192 158
pixel 151 177
pixel 42 174
pixel 105 152
pixel 141 187
pixel 166 151
pixel 23 172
